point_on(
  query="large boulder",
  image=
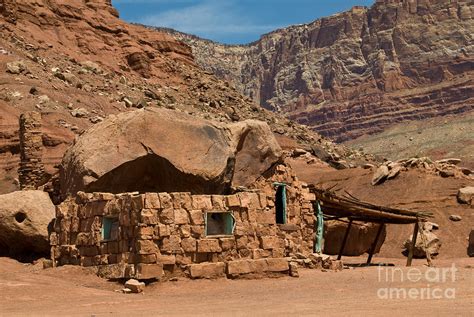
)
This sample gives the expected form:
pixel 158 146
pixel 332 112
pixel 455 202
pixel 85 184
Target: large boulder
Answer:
pixel 167 151
pixel 24 220
pixel 361 237
pixel 466 195
pixel 433 244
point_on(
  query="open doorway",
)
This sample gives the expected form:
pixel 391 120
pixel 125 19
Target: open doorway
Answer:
pixel 280 204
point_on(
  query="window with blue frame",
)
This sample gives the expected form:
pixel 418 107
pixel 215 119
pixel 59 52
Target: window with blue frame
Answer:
pixel 219 223
pixel 110 228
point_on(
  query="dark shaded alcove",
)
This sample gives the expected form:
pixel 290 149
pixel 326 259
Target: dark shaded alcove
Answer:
pixel 152 173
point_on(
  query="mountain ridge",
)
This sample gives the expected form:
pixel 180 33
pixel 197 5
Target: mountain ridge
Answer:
pixel 357 72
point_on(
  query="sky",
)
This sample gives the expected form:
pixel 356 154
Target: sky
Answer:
pixel 230 21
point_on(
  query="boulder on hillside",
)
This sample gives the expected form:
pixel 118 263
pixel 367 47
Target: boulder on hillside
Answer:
pixel 24 220
pixel 361 237
pixel 380 175
pixel 466 195
pixel 162 150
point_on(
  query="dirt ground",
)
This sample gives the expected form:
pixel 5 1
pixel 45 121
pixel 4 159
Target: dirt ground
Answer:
pixel 27 290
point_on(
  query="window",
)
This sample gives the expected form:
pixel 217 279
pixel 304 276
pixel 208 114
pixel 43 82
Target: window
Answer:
pixel 219 223
pixel 280 204
pixel 110 228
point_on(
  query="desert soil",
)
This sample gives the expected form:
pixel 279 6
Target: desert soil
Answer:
pixel 27 290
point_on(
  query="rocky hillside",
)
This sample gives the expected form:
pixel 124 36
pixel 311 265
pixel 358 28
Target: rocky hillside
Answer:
pixel 76 62
pixel 358 72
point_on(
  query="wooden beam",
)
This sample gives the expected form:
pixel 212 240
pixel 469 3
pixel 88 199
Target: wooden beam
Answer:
pixel 346 235
pixel 412 246
pixel 374 244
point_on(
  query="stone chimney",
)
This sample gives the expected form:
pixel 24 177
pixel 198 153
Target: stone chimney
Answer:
pixel 31 171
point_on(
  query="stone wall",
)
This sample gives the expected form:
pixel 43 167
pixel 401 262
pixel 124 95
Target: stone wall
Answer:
pixel 163 234
pixel 31 171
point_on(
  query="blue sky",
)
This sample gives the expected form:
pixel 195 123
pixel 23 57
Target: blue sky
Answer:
pixel 229 21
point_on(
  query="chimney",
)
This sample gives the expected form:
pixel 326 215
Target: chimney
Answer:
pixel 31 171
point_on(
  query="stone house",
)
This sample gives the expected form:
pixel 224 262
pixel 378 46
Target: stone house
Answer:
pixel 163 235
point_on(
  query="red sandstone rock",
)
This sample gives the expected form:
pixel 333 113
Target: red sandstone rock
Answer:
pixel 166 151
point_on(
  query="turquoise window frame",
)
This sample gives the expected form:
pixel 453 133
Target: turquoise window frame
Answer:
pixel 229 223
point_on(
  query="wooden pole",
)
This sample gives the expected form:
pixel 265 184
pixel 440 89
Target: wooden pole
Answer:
pixel 374 244
pixel 412 246
pixel 346 235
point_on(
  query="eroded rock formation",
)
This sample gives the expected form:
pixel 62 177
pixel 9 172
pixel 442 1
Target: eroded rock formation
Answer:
pixel 166 151
pixel 76 62
pixel 359 71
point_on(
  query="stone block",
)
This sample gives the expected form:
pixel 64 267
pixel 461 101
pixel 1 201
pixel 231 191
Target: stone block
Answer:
pixel 113 247
pixel 208 246
pixel 181 217
pixel 246 266
pixel 218 202
pixel 162 231
pixel 145 258
pixel 144 232
pixel 167 216
pixel 197 231
pixel 185 231
pixel 135 286
pixel 152 201
pixel 259 253
pixel 270 242
pixel 197 217
pixel 165 200
pixel 336 265
pixel 266 217
pixel 242 242
pixel 202 202
pixel 146 247
pixel 183 259
pixel 188 245
pixel 148 271
pixel 149 217
pixel 53 239
pixel 83 238
pixel 138 202
pixel 277 264
pixel 207 270
pixel 166 259
pixel 227 243
pixel 233 201
pixel 171 244
pixel 89 251
pixel 113 271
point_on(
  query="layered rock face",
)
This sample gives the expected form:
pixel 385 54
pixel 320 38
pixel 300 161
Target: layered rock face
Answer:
pixel 166 151
pixel 76 62
pixel 360 71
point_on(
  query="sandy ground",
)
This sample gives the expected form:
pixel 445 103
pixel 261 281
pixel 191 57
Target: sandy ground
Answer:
pixel 27 290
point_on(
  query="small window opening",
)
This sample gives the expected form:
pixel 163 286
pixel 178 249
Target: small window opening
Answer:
pixel 280 204
pixel 219 224
pixel 110 229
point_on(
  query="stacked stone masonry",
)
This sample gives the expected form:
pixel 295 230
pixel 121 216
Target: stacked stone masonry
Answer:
pixel 31 171
pixel 162 235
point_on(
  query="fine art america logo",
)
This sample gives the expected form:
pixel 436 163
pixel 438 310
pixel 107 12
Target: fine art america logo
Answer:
pixel 430 283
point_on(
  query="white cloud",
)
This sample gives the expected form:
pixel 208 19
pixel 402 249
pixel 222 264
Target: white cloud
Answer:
pixel 209 18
